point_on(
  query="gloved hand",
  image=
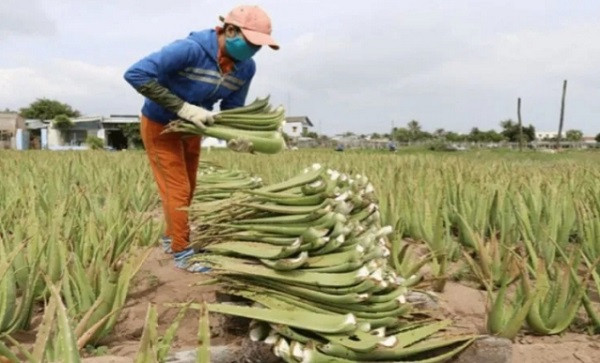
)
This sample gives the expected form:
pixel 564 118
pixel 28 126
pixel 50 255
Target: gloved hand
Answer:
pixel 197 115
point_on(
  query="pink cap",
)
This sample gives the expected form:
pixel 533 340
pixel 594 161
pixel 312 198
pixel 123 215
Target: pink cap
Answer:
pixel 254 23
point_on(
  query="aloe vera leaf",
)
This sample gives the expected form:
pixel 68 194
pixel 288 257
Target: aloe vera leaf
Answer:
pixel 86 336
pixel 307 218
pixel 68 344
pixel 257 105
pixel 309 176
pixel 147 352
pixel 287 264
pixel 291 334
pixel 343 267
pixel 395 353
pixel 44 331
pixel 298 201
pixel 254 249
pixel 7 354
pixel 203 351
pixel 333 259
pixel 359 341
pixel 229 265
pixel 311 294
pixel 325 323
pixel 164 344
pixel 19 347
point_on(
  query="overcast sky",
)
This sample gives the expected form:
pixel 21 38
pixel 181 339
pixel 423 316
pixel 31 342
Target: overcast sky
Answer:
pixel 348 65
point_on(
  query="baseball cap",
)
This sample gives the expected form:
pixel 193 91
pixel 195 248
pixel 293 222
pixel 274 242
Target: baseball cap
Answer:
pixel 254 23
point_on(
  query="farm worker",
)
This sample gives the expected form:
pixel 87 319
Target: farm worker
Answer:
pixel 184 80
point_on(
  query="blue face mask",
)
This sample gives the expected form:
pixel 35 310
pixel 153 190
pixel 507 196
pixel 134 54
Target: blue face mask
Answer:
pixel 239 48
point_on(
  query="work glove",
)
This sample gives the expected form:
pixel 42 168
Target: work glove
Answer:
pixel 196 115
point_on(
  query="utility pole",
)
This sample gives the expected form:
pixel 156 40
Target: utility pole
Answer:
pixel 520 124
pixel 562 115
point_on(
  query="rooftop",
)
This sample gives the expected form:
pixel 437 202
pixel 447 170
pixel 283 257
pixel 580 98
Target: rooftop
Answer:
pixel 300 119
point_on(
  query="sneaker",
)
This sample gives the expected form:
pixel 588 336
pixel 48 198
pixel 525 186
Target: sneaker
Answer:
pixel 183 261
pixel 165 244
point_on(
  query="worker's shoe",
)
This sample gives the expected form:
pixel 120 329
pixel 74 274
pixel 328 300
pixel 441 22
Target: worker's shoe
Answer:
pixel 165 244
pixel 183 260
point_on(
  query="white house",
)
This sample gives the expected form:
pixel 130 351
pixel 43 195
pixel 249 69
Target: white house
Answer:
pixel 544 135
pixel 74 138
pixel 296 126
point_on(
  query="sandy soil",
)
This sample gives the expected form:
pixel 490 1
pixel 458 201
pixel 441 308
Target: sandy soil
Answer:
pixel 159 282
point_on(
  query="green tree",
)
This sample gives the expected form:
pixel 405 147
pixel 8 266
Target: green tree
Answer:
pixel 401 134
pixel 132 133
pixel 598 138
pixel 440 133
pixel 312 135
pixel 94 142
pixel 510 130
pixel 375 136
pixel 574 135
pixel 455 137
pixel 62 122
pixel 46 109
pixel 475 135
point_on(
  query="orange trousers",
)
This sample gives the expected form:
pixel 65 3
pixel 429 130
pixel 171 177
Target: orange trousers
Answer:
pixel 174 161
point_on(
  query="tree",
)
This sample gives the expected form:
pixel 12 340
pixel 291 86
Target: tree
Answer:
pixel 440 133
pixel 510 130
pixel 312 135
pixel 375 136
pixel 574 135
pixel 475 135
pixel 598 138
pixel 62 122
pixel 46 109
pixel 132 133
pixel 455 137
pixel 401 134
pixel 94 142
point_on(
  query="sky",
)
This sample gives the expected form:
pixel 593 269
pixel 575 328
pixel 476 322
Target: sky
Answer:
pixel 353 66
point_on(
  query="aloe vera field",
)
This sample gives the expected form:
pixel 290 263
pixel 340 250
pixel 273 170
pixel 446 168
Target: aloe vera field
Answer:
pixel 343 257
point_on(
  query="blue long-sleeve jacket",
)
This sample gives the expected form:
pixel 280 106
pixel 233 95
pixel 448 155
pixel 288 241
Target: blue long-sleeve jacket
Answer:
pixel 190 70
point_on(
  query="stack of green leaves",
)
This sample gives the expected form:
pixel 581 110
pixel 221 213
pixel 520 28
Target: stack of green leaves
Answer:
pixel 311 257
pixel 252 128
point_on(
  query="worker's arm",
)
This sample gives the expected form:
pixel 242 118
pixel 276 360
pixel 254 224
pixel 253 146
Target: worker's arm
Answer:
pixel 144 74
pixel 144 77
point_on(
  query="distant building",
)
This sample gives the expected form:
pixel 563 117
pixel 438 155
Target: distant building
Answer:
pixel 546 135
pixel 296 126
pixel 107 129
pixel 13 133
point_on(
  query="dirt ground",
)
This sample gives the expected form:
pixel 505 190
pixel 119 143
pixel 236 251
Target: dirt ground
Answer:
pixel 159 282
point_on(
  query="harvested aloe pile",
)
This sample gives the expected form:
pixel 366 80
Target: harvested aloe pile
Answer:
pixel 252 128
pixel 215 183
pixel 310 255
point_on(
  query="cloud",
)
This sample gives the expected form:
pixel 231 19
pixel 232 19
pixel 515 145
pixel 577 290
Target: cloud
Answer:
pixel 347 65
pixel 24 18
pixel 87 87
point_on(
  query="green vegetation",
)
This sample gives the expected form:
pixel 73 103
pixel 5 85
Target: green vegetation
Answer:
pixel 524 226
